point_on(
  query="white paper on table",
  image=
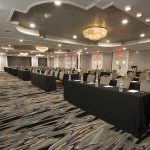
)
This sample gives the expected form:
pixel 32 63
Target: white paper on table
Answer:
pixel 76 80
pixel 133 91
pixel 91 83
pixel 108 86
pixel 134 81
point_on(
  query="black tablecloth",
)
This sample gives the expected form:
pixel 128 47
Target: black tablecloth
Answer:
pixel 13 71
pixel 73 76
pixel 47 83
pixel 127 111
pixel 24 75
pixel 6 69
pixel 133 85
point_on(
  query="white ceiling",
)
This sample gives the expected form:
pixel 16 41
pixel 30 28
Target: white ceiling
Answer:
pixel 7 8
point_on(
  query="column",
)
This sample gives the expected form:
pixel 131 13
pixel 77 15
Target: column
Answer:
pixel 34 61
pixel 3 62
pixel 79 59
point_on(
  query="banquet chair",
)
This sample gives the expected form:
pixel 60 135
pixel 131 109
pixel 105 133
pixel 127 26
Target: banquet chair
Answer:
pixel 130 76
pixel 114 75
pixel 60 79
pixel 66 71
pixel 126 82
pixel 51 72
pixel 90 78
pixel 105 80
pixel 81 73
pixel 145 86
pixel 75 72
pixel 56 74
pixel 143 77
pixel 46 71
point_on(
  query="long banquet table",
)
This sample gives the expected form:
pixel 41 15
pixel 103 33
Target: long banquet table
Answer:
pixel 13 71
pixel 127 111
pixel 73 76
pixel 47 83
pixel 133 85
pixel 24 75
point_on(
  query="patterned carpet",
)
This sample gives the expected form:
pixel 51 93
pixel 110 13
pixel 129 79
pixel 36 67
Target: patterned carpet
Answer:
pixel 31 119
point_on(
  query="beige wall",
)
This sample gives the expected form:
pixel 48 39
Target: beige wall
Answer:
pixel 18 61
pixel 97 61
pixel 86 61
pixel 141 59
pixel 51 62
pixel 107 61
pixel 120 63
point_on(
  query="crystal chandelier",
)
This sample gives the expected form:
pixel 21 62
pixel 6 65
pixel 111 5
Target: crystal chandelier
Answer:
pixel 42 48
pixel 95 33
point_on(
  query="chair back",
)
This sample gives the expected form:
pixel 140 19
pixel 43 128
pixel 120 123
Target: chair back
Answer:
pixel 51 72
pixel 56 74
pixel 142 77
pixel 81 73
pixel 105 80
pixel 61 76
pixel 91 78
pixel 145 86
pixel 76 72
pixel 126 82
pixel 114 75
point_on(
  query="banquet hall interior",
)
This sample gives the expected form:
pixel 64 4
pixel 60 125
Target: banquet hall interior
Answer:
pixel 75 74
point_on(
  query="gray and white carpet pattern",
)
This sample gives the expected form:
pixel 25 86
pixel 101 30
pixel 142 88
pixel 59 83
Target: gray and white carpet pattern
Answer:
pixel 31 119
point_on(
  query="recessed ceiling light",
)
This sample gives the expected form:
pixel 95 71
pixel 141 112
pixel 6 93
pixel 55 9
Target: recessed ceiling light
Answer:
pixel 139 14
pixel 85 48
pixel 74 36
pixel 21 40
pixel 59 45
pixel 124 21
pixel 107 41
pixel 57 3
pixel 9 45
pixel 124 48
pixel 87 52
pixel 97 51
pixel 52 56
pixel 32 25
pixel 124 62
pixel 147 20
pixel 127 8
pixel 142 35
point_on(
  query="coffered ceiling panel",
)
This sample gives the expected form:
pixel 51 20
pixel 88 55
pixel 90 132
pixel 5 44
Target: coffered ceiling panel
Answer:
pixel 69 20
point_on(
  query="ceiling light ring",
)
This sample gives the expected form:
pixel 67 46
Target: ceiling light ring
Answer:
pixel 41 48
pixel 90 32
